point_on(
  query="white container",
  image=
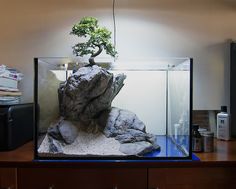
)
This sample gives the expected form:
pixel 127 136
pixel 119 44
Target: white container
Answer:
pixel 223 124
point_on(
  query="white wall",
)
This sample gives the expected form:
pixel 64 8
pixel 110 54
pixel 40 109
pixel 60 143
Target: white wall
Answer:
pixel 149 28
pixel 144 93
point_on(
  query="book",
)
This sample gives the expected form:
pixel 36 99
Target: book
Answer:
pixel 10 73
pixel 7 82
pixel 10 93
pixel 8 89
pixel 11 76
pixel 6 100
pixel 9 98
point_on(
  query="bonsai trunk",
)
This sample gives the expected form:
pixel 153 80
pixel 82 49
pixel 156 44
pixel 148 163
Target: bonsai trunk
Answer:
pixel 91 59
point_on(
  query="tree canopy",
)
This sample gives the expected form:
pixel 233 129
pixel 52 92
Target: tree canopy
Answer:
pixel 97 39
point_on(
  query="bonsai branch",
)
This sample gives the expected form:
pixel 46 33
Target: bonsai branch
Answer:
pixel 91 59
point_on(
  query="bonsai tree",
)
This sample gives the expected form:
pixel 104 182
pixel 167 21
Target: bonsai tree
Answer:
pixel 97 39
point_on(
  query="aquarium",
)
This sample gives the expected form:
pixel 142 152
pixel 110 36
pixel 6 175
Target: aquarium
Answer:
pixel 130 109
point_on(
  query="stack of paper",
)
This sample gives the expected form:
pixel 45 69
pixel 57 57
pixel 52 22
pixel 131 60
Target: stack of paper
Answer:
pixel 9 92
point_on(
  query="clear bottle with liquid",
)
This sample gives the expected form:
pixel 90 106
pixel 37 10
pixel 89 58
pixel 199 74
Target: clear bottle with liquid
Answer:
pixel 223 124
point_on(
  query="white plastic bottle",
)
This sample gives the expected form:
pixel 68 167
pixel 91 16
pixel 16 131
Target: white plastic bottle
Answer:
pixel 223 124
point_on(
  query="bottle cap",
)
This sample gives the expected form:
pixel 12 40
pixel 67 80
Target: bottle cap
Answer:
pixel 201 130
pixel 195 126
pixel 223 108
pixel 208 133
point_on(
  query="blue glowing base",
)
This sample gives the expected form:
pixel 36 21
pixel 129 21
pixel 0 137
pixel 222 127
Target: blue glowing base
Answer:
pixel 168 148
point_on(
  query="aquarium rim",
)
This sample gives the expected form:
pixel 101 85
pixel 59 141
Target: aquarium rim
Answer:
pixel 105 158
pixel 128 63
pixel 121 58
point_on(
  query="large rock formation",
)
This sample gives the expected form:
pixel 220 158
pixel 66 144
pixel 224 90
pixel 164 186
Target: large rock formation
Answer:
pixel 128 130
pixel 87 92
pixel 86 97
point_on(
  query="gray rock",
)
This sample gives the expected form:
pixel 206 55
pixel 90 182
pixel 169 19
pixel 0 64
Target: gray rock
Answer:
pixel 131 135
pixel 87 92
pixel 103 102
pixel 136 132
pixel 63 131
pixel 54 132
pixel 137 148
pixel 128 130
pixel 125 138
pixel 68 131
pixel 54 145
pixel 117 121
pixel 80 88
pixel 153 140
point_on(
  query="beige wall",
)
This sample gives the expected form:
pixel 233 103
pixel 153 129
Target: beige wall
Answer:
pixel 150 28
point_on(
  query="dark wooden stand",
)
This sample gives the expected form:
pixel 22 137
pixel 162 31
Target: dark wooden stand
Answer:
pixel 215 170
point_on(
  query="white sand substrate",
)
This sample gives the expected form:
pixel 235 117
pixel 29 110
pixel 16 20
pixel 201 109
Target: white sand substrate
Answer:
pixel 87 144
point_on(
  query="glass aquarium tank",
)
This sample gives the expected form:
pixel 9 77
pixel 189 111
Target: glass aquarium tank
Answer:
pixel 132 109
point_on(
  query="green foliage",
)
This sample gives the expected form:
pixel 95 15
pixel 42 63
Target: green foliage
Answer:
pixel 97 39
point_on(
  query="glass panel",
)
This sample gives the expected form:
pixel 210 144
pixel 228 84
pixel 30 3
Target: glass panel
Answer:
pixel 179 105
pixel 135 109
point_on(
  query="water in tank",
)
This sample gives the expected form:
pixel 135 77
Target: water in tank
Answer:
pixel 131 109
